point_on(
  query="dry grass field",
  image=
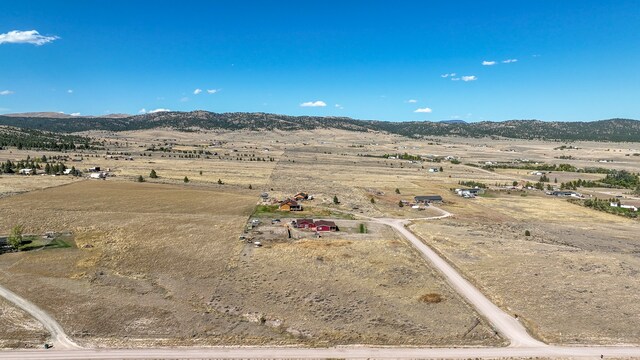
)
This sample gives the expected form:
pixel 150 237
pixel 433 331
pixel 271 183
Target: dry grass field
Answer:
pixel 157 264
pixel 18 329
pixel 574 280
pixel 160 262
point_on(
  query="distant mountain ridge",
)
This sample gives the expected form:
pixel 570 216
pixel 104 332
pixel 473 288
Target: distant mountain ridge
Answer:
pixel 603 130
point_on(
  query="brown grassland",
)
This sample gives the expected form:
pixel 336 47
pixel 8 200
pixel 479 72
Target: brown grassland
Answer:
pixel 160 262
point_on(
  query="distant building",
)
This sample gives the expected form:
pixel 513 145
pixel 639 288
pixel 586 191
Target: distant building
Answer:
pixel 427 199
pixel 290 205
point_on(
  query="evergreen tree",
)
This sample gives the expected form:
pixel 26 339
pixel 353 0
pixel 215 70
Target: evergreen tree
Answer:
pixel 186 179
pixel 335 200
pixel 153 174
pixel 140 178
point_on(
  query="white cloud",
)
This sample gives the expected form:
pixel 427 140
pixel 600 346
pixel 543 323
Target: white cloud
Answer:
pixel 317 103
pixel 469 78
pixel 455 79
pixel 488 63
pixel 69 91
pixel 144 111
pixel 447 75
pixel 423 110
pixel 412 101
pixel 339 106
pixel 6 92
pixel 509 61
pixel 184 99
pixel 212 91
pixel 158 110
pixel 75 114
pixel 25 37
pixel 197 91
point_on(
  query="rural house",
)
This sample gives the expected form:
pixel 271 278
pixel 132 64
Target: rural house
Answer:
pixel 325 225
pixel 305 224
pixel 290 205
pixel 427 199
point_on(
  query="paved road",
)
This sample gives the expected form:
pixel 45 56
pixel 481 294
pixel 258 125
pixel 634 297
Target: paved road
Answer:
pixel 339 353
pixel 58 336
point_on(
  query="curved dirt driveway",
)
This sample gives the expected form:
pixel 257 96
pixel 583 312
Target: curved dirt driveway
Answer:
pixel 58 336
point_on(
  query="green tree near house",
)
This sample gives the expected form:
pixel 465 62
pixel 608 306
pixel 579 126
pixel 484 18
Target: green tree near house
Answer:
pixel 400 204
pixel 15 238
pixel 153 174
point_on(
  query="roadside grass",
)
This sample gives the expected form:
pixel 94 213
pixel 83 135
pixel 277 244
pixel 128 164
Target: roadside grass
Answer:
pixel 271 211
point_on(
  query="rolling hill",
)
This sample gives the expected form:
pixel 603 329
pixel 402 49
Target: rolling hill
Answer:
pixel 603 130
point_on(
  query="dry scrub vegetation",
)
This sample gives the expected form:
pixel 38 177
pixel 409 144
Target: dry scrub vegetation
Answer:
pixel 18 329
pixel 161 264
pixel 574 280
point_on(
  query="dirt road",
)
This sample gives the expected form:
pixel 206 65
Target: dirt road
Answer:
pixel 506 325
pixel 58 336
pixel 353 352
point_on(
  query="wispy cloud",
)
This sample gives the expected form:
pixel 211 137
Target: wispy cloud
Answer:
pixel 317 103
pixel 197 91
pixel 6 92
pixel 469 78
pixel 184 99
pixel 339 106
pixel 212 91
pixel 69 91
pixel 447 75
pixel 158 110
pixel 455 79
pixel 25 37
pixel 144 111
pixel 509 61
pixel 75 114
pixel 488 63
pixel 423 110
pixel 412 101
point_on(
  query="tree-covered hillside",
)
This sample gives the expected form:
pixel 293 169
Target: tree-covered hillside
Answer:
pixel 604 130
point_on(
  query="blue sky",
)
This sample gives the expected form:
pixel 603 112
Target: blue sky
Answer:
pixel 576 59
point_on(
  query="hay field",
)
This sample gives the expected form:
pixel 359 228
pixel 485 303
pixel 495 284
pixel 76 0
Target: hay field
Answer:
pixel 573 280
pixel 158 264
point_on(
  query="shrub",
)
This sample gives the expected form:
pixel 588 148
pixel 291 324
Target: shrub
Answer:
pixel 431 298
pixel 140 178
pixel 527 233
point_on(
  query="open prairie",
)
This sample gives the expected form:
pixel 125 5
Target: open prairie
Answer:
pixel 574 280
pixel 160 262
pixel 157 264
